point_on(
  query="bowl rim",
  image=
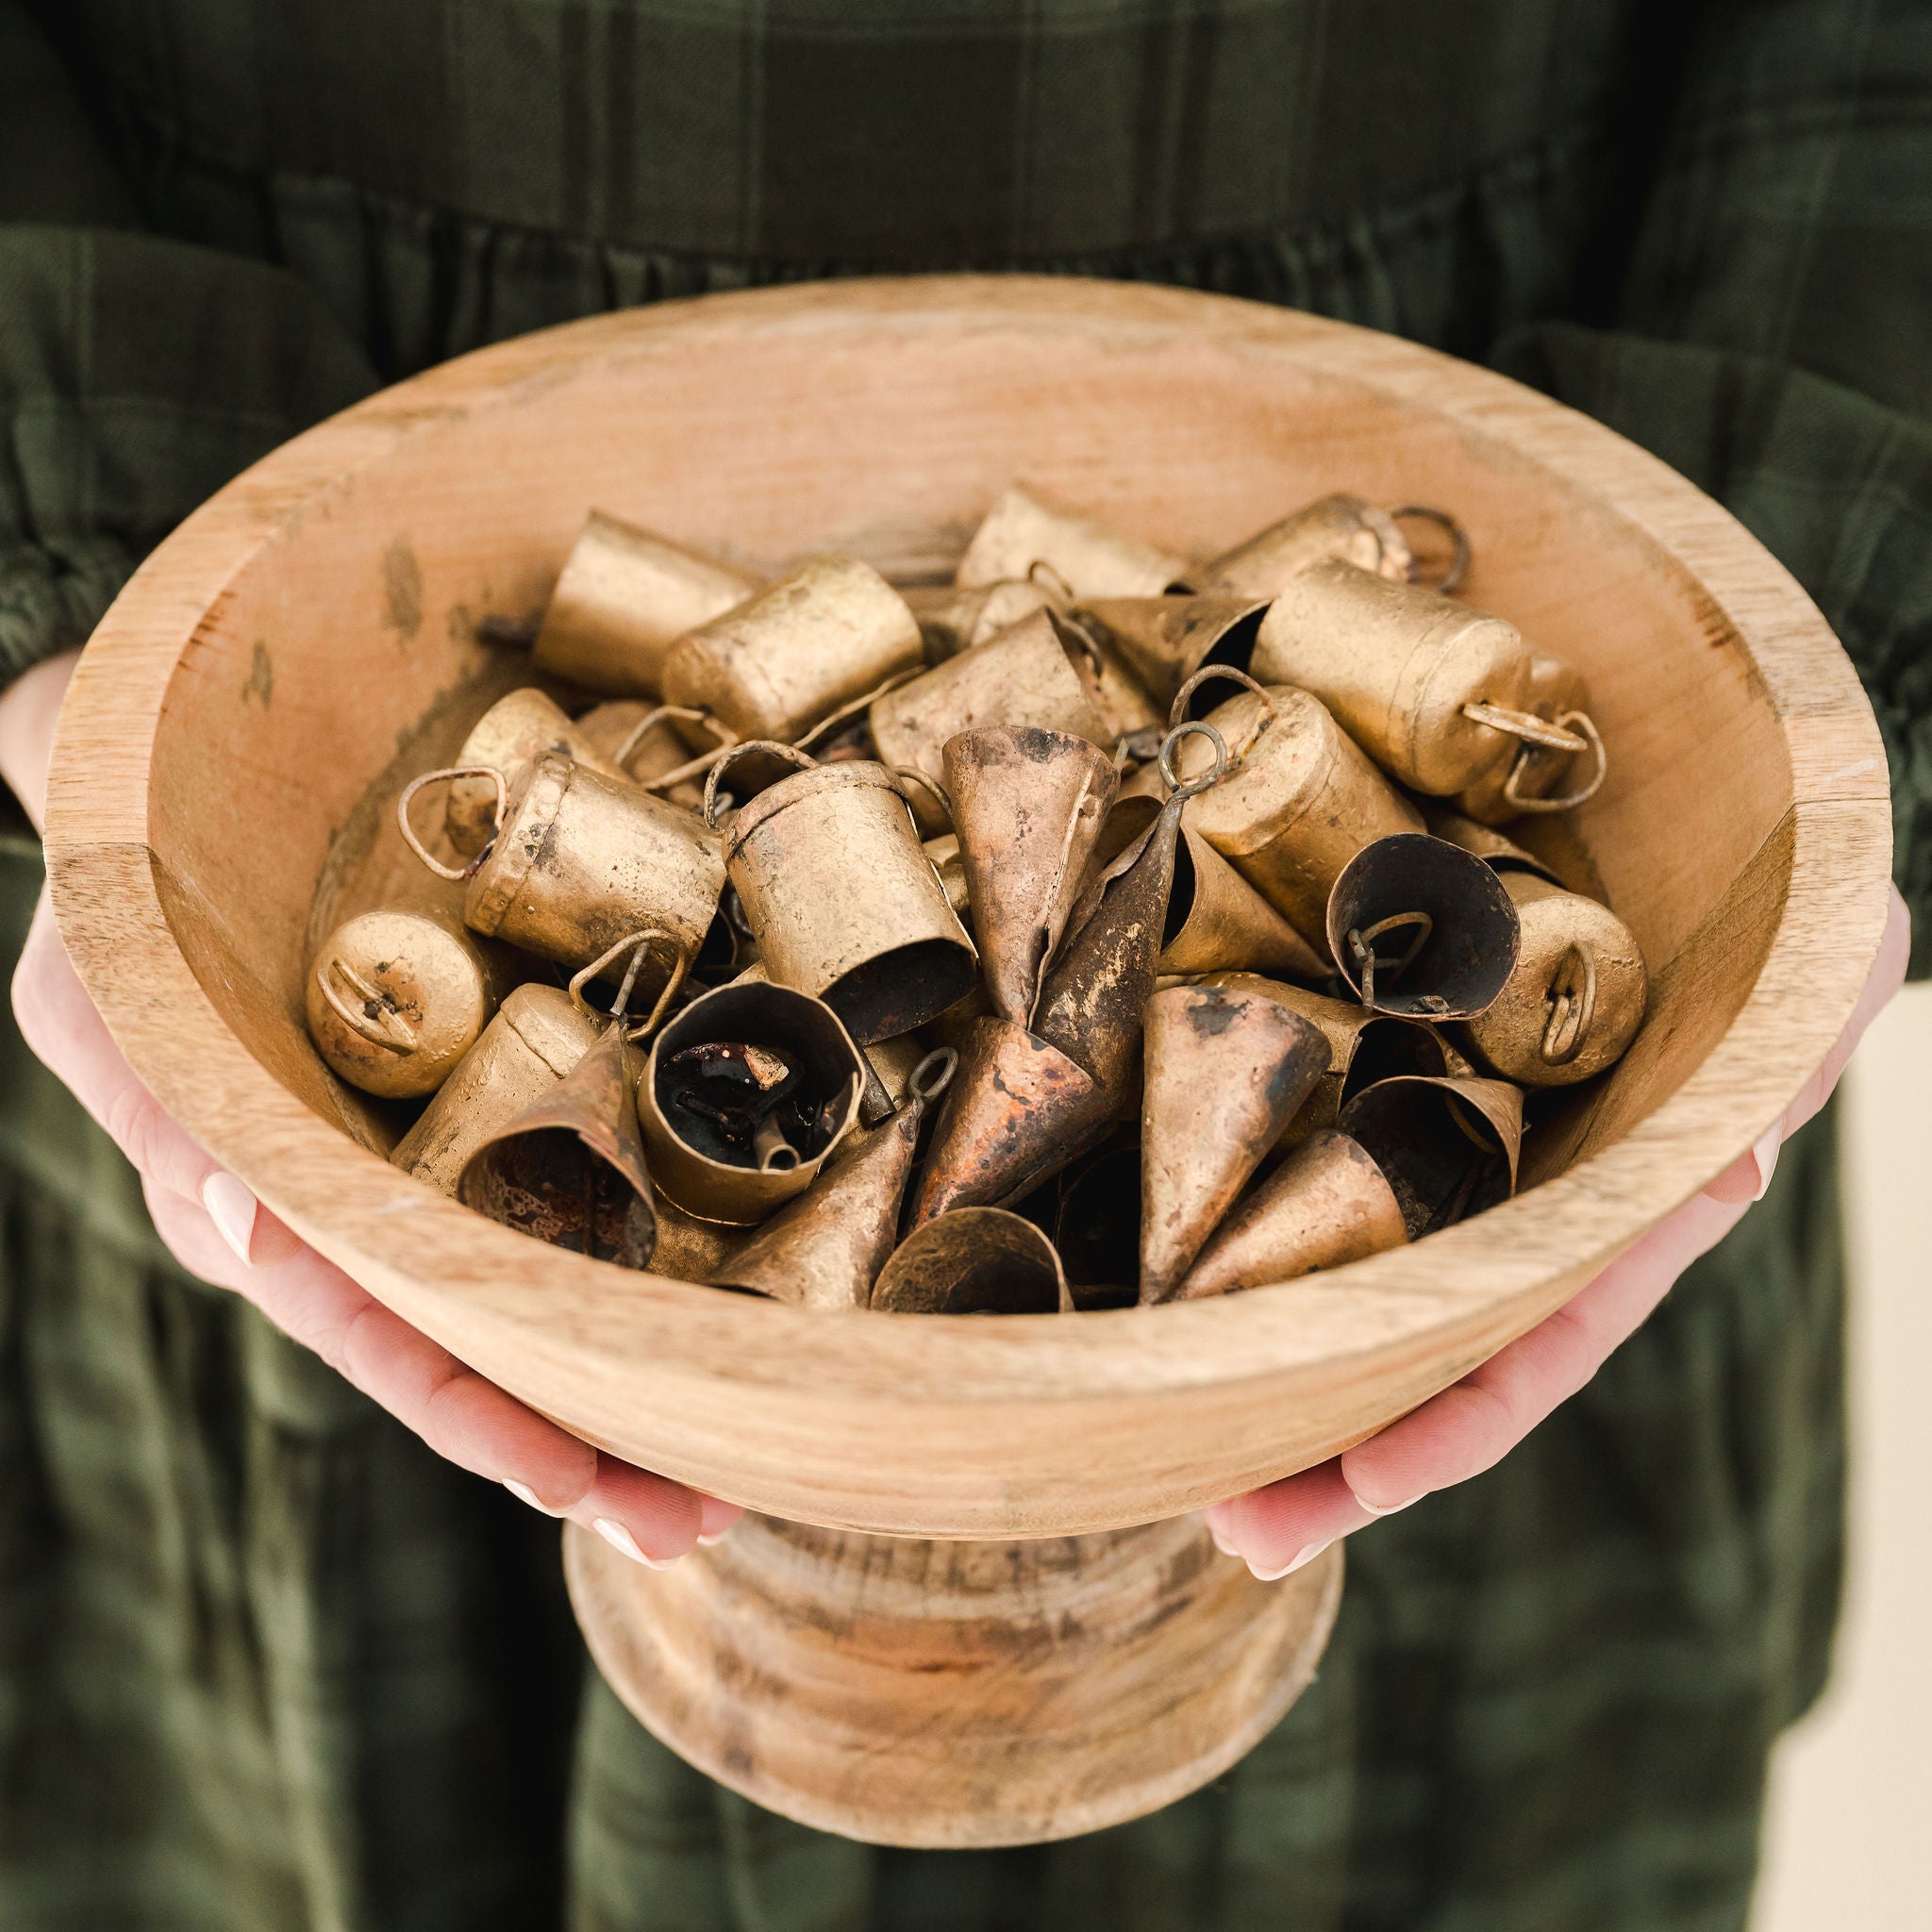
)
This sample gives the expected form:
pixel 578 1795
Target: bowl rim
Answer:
pixel 492 1296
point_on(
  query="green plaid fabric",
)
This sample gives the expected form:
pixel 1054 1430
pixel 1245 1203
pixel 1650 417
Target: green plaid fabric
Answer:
pixel 267 1665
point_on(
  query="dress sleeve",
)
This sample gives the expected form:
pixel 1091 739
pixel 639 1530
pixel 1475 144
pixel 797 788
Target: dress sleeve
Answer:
pixel 137 374
pixel 1772 337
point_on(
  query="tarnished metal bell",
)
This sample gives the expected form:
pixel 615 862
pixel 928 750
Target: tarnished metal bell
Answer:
pixel 625 596
pixel 1341 526
pixel 1164 641
pixel 1024 530
pixel 1539 778
pixel 844 900
pixel 1448 1147
pixel 518 728
pixel 943 854
pixel 645 742
pixel 1575 1000
pixel 1326 1204
pixel 785 659
pixel 973 1261
pixel 536 1037
pixel 954 618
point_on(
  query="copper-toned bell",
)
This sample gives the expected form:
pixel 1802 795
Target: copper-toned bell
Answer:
pixel 1297 802
pixel 569 1169
pixel 1030 674
pixel 781 662
pixel 1541 777
pixel 1500 854
pixel 1215 919
pixel 1024 530
pixel 1434 691
pixel 842 896
pixel 395 999
pixel 1164 641
pixel 1027 806
pixel 973 1261
pixel 1226 1072
pixel 536 1037
pixel 1340 526
pixel 744 1098
pixel 954 618
pixel 824 1250
pixel 1448 1147
pixel 1327 1203
pixel 517 729
pixel 1419 927
pixel 625 596
pixel 1576 997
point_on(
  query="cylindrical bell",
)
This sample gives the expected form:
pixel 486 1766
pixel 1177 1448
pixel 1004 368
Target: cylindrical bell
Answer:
pixel 395 999
pixel 536 1037
pixel 1539 777
pixel 1448 1147
pixel 954 618
pixel 745 1094
pixel 625 596
pixel 784 661
pixel 1164 641
pixel 973 1261
pixel 1297 802
pixel 1420 928
pixel 1500 854
pixel 1327 1203
pixel 1028 675
pixel 584 860
pixel 842 898
pixel 515 731
pixel 1423 684
pixel 1339 526
pixel 569 1169
pixel 1025 533
pixel 1575 1000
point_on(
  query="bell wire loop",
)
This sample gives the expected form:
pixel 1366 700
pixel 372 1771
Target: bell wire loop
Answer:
pixel 366 1026
pixel 1586 727
pixel 729 754
pixel 1042 574
pixel 1361 943
pixel 933 1074
pixel 448 774
pixel 932 786
pixel 1451 580
pixel 1193 727
pixel 638 944
pixel 1525 725
pixel 656 714
pixel 1572 1008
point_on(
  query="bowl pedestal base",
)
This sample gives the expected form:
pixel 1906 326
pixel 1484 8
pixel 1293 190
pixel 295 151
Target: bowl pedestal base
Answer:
pixel 956 1695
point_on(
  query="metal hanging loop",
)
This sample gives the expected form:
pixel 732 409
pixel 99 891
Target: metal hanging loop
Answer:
pixel 1193 727
pixel 638 943
pixel 1587 729
pixel 385 1028
pixel 1451 579
pixel 1207 673
pixel 903 774
pixel 447 773
pixel 790 754
pixel 1573 1006
pixel 1525 725
pixel 932 1076
pixel 1043 574
pixel 1361 943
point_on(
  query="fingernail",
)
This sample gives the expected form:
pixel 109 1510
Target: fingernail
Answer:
pixel 524 1493
pixel 1221 1543
pixel 1765 1154
pixel 1387 1508
pixel 620 1538
pixel 716 1537
pixel 232 1208
pixel 1302 1558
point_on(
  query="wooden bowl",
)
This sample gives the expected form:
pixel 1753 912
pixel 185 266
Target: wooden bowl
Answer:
pixel 311 633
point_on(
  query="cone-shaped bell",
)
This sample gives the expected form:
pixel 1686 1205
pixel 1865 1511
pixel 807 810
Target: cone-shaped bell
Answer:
pixel 1225 1072
pixel 1025 532
pixel 1326 1205
pixel 1344 527
pixel 1216 920
pixel 1018 1111
pixel 1164 641
pixel 570 1169
pixel 973 1261
pixel 1500 854
pixel 1027 806
pixel 1448 1146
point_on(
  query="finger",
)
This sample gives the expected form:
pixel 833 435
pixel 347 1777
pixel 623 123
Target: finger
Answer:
pixel 1472 1426
pixel 719 1516
pixel 649 1518
pixel 1285 1527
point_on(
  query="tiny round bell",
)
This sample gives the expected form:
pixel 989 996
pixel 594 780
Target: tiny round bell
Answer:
pixel 625 596
pixel 1339 526
pixel 1023 531
pixel 842 898
pixel 780 663
pixel 395 999
pixel 515 731
pixel 1539 778
pixel 1575 1000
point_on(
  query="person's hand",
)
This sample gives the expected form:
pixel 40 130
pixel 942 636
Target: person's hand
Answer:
pixel 218 1230
pixel 1476 1421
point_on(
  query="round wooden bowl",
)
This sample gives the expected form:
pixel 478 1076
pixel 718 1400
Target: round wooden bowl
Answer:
pixel 309 639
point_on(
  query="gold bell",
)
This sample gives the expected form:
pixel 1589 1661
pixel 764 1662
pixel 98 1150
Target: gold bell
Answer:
pixel 1024 530
pixel 645 742
pixel 1536 780
pixel 1326 1204
pixel 781 662
pixel 1164 641
pixel 1027 807
pixel 953 619
pixel 973 1261
pixel 824 1250
pixel 1499 853
pixel 515 731
pixel 625 596
pixel 1226 1072
pixel 744 1098
pixel 690 1249
pixel 1575 1000
pixel 1448 1147
pixel 1298 801
pixel 1420 928
pixel 569 1169
pixel 395 999
pixel 1215 919
pixel 536 1037
pixel 581 861
pixel 844 900
pixel 1434 691
pixel 1340 526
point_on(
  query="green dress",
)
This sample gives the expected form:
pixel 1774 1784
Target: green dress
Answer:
pixel 265 1663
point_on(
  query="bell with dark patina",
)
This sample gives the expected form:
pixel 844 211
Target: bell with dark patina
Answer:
pixel 973 1261
pixel 1448 1147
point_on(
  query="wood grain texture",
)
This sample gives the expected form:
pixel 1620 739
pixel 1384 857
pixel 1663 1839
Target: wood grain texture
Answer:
pixel 318 618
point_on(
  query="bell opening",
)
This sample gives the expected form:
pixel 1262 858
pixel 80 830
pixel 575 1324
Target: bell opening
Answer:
pixel 1386 1048
pixel 1180 896
pixel 1235 650
pixel 547 1184
pixel 907 987
pixel 1097 1227
pixel 1443 1159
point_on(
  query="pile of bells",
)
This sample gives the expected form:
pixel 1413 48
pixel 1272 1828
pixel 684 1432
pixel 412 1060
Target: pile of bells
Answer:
pixel 1100 927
